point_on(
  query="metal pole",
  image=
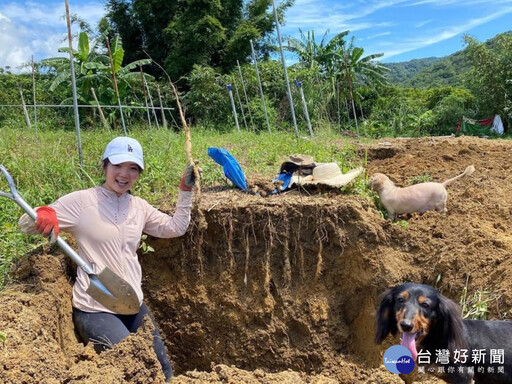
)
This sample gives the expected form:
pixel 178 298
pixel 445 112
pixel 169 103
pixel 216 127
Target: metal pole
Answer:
pixel 245 93
pixel 34 92
pixel 304 105
pixel 292 110
pixel 73 86
pixel 240 103
pixel 151 102
pixel 233 106
pixel 25 112
pixel 102 116
pixel 259 83
pixel 351 93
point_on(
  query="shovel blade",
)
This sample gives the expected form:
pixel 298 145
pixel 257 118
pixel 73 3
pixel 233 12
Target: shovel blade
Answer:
pixel 113 292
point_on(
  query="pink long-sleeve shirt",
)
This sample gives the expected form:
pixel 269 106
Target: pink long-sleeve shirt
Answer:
pixel 108 231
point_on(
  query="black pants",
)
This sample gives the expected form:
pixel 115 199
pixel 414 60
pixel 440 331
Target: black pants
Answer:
pixel 106 329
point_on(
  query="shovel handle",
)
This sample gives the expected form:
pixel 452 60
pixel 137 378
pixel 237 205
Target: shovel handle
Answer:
pixel 12 187
pixel 16 197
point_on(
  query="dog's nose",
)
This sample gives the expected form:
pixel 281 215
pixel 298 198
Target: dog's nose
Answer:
pixel 406 325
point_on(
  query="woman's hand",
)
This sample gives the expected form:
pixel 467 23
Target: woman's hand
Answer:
pixel 47 223
pixel 188 180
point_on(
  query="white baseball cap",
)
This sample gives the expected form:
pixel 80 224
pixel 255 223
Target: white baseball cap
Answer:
pixel 123 149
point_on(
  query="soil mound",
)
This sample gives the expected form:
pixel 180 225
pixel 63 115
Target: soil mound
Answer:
pixel 281 288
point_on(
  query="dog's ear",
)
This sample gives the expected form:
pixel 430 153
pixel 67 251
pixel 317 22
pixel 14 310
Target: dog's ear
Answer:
pixel 450 318
pixel 386 321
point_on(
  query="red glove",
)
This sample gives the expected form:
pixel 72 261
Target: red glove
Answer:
pixel 188 179
pixel 46 220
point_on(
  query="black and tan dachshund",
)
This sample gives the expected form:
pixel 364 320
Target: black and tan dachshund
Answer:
pixel 445 345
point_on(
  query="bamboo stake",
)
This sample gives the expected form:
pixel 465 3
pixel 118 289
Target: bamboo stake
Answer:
pixel 102 116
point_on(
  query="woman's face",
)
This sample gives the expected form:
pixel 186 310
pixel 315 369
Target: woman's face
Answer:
pixel 119 178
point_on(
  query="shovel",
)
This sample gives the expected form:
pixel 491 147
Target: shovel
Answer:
pixel 106 287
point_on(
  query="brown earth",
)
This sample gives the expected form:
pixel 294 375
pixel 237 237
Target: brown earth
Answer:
pixel 280 289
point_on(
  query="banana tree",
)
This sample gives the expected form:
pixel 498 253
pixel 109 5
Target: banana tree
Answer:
pixel 93 70
pixel 87 68
pixel 309 52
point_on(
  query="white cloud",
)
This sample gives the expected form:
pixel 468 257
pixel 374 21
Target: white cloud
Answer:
pixel 381 22
pixel 38 28
pixel 423 23
pixel 378 35
pixel 2 17
pixel 13 51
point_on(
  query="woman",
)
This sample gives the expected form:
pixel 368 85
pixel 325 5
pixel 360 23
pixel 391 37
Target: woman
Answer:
pixel 107 223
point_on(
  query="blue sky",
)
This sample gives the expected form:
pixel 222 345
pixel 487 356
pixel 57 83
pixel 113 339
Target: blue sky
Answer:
pixel 400 29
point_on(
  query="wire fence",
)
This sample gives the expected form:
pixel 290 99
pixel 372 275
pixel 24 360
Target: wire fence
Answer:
pixel 86 106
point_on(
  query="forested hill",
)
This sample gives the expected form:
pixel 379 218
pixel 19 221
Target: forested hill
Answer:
pixel 429 72
pixel 432 71
pixel 403 71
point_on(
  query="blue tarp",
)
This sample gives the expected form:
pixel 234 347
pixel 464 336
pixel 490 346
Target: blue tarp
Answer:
pixel 232 169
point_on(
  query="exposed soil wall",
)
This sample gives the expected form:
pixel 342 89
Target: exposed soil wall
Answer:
pixel 283 288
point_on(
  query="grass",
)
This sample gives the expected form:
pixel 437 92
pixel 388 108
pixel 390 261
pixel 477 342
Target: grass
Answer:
pixel 45 165
pixel 476 306
pixel 423 178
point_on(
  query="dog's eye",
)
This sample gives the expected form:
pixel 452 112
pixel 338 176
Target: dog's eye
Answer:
pixel 401 300
pixel 425 305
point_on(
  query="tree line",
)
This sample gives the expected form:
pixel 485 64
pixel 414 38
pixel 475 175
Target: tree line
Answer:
pixel 204 45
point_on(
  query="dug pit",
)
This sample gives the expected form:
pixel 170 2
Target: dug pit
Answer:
pixel 281 289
